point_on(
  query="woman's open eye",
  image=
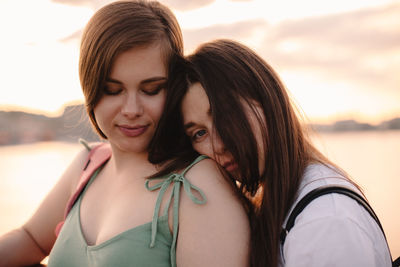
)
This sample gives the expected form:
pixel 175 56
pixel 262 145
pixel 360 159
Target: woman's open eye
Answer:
pixel 198 135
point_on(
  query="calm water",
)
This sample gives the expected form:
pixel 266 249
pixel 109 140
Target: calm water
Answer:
pixel 28 172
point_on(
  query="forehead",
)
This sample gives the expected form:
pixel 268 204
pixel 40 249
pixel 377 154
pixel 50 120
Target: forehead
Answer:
pixel 139 62
pixel 195 104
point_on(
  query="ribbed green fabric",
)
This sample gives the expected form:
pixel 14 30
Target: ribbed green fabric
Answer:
pixel 149 244
pixel 176 179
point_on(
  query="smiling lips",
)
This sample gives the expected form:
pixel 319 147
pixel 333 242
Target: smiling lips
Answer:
pixel 133 131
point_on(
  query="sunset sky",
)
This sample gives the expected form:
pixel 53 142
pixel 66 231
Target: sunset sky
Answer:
pixel 339 59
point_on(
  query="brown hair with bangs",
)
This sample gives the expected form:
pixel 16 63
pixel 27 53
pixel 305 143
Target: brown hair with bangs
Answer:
pixel 116 28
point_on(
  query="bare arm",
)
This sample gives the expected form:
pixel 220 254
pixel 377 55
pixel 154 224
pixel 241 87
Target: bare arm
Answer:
pixel 217 233
pixel 33 241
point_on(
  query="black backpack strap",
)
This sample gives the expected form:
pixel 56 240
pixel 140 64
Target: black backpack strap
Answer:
pixel 329 189
pixel 396 263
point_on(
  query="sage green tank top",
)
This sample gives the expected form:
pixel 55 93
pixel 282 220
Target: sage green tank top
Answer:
pixel 151 244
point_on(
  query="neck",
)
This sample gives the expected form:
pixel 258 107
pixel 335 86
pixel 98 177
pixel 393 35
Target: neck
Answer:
pixel 133 164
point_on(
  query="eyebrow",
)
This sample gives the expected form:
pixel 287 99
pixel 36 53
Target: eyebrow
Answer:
pixel 190 124
pixel 146 81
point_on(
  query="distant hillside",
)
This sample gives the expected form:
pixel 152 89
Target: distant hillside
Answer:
pixel 352 125
pixel 20 127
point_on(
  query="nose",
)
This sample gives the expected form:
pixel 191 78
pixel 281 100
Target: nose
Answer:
pixel 132 105
pixel 218 145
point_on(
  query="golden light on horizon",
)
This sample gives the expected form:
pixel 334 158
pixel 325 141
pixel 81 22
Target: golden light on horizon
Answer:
pixel 39 63
pixel 39 70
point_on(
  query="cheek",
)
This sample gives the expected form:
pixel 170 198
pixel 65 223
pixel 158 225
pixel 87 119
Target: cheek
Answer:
pixel 156 107
pixel 204 148
pixel 107 106
pixel 105 111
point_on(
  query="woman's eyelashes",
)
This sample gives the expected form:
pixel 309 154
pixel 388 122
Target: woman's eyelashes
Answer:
pixel 112 90
pixel 197 136
pixel 148 90
pixel 154 90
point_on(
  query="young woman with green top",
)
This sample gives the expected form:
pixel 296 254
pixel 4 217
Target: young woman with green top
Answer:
pixel 188 215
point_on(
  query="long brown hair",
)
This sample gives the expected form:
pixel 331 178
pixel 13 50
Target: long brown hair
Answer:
pixel 230 73
pixel 116 28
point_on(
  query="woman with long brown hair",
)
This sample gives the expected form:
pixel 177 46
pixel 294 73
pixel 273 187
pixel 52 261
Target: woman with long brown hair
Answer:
pixel 234 108
pixel 117 215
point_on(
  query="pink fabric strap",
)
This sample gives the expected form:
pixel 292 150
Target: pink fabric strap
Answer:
pixel 96 157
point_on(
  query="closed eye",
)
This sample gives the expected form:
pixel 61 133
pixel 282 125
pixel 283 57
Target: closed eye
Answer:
pixel 153 90
pixel 112 86
pixel 112 90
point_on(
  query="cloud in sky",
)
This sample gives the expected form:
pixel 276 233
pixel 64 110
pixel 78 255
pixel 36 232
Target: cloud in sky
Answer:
pixel 75 2
pixel 185 5
pixel 356 52
pixel 355 45
pixel 76 36
pixel 243 30
pixel 181 5
pixel 91 3
pixel 353 57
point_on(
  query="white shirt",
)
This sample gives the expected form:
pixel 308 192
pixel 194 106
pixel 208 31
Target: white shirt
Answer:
pixel 333 230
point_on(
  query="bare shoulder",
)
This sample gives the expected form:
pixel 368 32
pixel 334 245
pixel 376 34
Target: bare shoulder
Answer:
pixel 73 171
pixel 219 192
pixel 216 233
pixel 50 212
pixel 206 175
